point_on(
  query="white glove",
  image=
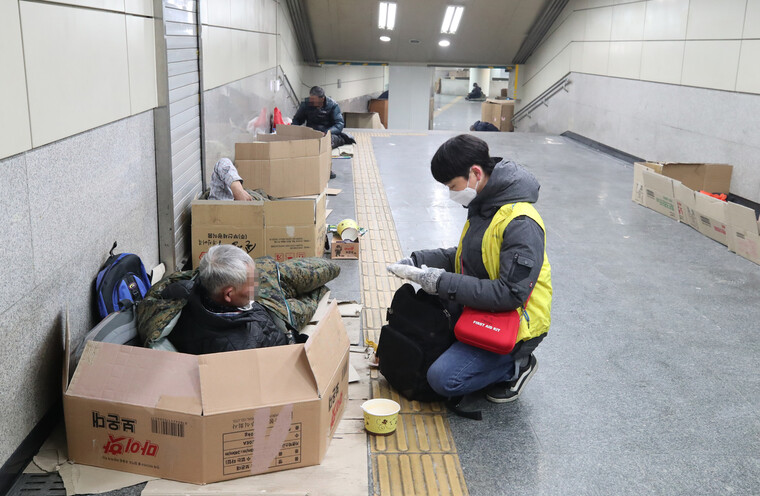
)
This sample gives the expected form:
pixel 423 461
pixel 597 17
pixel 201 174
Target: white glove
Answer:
pixel 426 277
pixel 406 261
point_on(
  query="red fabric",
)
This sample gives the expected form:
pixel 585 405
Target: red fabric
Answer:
pixel 277 118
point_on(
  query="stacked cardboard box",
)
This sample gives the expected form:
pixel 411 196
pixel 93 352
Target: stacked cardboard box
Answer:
pixel 208 418
pixel 499 113
pixel 673 189
pixel 294 162
pixel 283 229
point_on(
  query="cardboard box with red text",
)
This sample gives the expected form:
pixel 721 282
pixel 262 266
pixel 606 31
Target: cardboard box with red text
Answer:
pixel 344 250
pixel 294 162
pixel 283 229
pixel 208 418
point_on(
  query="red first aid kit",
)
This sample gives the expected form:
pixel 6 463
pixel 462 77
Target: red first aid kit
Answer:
pixel 491 331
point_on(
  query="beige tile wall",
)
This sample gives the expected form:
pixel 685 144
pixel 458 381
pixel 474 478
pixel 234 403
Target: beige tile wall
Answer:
pixel 15 136
pixel 69 66
pixel 701 43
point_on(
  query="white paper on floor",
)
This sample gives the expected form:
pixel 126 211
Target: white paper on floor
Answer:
pixel 349 309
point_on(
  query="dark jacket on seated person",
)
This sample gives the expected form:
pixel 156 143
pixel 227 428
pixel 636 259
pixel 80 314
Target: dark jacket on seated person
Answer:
pixel 207 327
pixel 325 118
pixel 475 93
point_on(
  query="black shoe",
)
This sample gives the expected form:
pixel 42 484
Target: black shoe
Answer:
pixel 332 175
pixel 504 392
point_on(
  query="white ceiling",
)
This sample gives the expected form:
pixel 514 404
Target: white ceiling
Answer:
pixel 490 33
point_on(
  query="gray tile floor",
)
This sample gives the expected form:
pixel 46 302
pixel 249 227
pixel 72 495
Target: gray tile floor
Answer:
pixel 459 116
pixel 648 380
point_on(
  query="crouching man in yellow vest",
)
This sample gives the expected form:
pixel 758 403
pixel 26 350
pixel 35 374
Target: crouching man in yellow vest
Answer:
pixel 499 265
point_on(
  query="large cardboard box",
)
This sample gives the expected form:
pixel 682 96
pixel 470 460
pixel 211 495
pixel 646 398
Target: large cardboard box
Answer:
pixel 743 232
pixel 499 113
pixel 714 178
pixel 284 229
pixel 654 190
pixel 208 418
pixel 294 162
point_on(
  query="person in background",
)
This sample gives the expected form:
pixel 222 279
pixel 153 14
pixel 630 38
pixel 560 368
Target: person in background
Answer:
pixel 321 113
pixel 221 314
pixel 500 265
pixel 475 93
pixel 226 183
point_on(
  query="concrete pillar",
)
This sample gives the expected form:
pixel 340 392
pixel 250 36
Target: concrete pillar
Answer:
pixel 482 77
pixel 410 93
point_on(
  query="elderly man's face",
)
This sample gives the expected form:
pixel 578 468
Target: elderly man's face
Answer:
pixel 316 101
pixel 242 295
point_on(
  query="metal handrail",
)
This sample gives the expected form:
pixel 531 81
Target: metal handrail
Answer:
pixel 289 88
pixel 541 99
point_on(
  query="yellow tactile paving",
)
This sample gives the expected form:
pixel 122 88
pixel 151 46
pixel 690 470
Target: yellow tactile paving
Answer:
pixel 420 458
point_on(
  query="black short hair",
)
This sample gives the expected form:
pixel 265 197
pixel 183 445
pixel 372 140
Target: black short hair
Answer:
pixel 455 157
pixel 317 91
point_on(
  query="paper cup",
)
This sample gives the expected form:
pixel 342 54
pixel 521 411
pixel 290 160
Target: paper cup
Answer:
pixel 380 415
pixel 348 230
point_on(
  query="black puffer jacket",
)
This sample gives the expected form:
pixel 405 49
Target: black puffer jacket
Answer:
pixel 325 118
pixel 200 331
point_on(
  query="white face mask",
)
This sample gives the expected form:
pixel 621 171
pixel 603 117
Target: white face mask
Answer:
pixel 464 197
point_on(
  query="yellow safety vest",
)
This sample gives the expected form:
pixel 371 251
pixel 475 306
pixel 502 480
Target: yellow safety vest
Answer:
pixel 537 313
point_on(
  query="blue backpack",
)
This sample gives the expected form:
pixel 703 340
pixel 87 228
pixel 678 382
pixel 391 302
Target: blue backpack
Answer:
pixel 121 278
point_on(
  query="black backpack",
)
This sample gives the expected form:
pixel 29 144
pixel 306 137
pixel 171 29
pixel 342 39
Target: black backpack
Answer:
pixel 419 330
pixel 122 277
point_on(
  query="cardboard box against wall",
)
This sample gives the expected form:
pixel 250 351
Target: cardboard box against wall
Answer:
pixel 284 229
pixel 714 178
pixel 294 162
pixel 363 120
pixel 654 191
pixel 686 205
pixel 344 250
pixel 743 231
pixel 499 113
pixel 711 214
pixel 208 418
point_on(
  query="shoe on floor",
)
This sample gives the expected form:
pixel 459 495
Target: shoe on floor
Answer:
pixel 332 175
pixel 504 392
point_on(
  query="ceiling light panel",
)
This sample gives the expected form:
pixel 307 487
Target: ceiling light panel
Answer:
pixel 387 15
pixel 451 19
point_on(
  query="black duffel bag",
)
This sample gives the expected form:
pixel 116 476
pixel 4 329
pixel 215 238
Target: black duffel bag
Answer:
pixel 419 330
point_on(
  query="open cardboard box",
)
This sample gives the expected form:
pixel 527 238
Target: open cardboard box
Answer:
pixel 294 162
pixel 283 229
pixel 208 418
pixel 654 190
pixel 673 189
